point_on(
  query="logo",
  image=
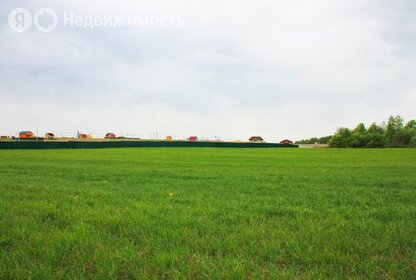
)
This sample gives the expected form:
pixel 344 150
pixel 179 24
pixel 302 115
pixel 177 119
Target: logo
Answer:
pixel 20 20
pixel 45 20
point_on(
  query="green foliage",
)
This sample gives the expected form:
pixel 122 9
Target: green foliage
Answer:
pixel 411 125
pixel 342 138
pixel 375 136
pixel 315 140
pixel 203 213
pixel 392 134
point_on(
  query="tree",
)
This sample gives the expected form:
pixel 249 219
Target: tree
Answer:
pixel 391 134
pixel 314 140
pixel 411 125
pixel 358 137
pixel 342 138
pixel 375 136
pixel 394 126
pixel 360 129
pixel 374 128
pixel 410 129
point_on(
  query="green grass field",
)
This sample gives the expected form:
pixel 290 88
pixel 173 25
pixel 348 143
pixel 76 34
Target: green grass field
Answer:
pixel 208 213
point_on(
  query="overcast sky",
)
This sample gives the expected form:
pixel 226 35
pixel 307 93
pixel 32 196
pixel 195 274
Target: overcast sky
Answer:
pixel 279 69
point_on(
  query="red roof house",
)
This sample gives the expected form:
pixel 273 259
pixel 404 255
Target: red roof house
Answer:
pixel 286 141
pixel 256 139
pixel 110 135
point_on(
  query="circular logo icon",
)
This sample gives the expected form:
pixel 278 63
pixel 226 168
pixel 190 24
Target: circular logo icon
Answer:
pixel 20 20
pixel 45 20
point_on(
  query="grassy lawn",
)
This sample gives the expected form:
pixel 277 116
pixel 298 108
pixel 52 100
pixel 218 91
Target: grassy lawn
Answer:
pixel 208 213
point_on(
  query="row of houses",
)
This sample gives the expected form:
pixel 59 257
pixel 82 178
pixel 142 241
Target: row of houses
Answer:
pixel 259 139
pixel 29 135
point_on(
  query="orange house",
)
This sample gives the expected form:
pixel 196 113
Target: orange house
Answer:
pixel 26 135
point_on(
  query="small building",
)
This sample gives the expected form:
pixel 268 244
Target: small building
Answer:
pixel 110 135
pixel 49 136
pixel 256 139
pixel 193 139
pixel 169 138
pixel 26 135
pixel 286 142
pixel 83 136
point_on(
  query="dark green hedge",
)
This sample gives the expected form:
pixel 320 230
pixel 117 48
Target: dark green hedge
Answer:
pixel 126 144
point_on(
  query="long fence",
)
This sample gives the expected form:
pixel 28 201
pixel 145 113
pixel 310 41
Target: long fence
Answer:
pixel 129 144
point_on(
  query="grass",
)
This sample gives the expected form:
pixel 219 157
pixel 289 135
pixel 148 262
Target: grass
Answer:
pixel 208 213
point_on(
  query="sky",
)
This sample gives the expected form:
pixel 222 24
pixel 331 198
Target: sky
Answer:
pixel 231 69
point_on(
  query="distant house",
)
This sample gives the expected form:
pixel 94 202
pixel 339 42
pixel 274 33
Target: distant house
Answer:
pixel 193 139
pixel 256 139
pixel 286 141
pixel 169 138
pixel 49 136
pixel 83 136
pixel 110 135
pixel 26 135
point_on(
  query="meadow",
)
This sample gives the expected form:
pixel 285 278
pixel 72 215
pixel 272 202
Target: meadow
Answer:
pixel 198 213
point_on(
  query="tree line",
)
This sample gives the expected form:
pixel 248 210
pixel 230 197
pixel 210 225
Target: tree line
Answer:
pixel 394 133
pixel 315 140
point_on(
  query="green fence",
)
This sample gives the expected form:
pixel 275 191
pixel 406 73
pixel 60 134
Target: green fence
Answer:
pixel 129 144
